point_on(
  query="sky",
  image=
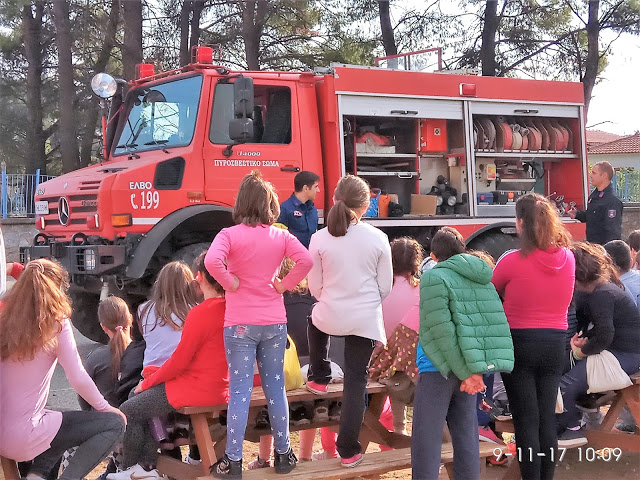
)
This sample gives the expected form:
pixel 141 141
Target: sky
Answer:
pixel 616 99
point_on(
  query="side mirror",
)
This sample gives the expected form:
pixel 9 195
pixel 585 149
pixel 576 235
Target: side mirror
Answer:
pixel 241 130
pixel 243 97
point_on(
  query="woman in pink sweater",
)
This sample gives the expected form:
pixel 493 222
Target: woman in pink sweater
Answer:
pixel 536 285
pixel 245 260
pixel 36 334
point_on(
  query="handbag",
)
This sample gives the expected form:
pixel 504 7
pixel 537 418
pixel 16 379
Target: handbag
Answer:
pixel 604 373
pixel 292 374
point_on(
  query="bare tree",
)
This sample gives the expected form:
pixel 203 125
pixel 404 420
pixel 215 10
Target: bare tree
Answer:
pixel 189 24
pixel 32 37
pixel 388 39
pixel 92 114
pixel 489 30
pixel 67 132
pixel 132 46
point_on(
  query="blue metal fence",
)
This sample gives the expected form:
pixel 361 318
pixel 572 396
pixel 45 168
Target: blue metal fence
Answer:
pixel 626 183
pixel 17 193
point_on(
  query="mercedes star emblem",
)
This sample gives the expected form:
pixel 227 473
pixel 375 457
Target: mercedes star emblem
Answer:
pixel 63 210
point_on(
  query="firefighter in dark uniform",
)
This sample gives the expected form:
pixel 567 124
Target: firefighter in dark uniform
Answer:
pixel 604 210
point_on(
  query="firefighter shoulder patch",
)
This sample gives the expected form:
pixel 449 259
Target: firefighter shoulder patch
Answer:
pixel 612 213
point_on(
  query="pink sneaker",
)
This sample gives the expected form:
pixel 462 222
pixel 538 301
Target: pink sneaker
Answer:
pixel 352 461
pixel 485 434
pixel 317 388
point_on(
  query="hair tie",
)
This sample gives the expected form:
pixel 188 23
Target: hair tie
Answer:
pixel 118 328
pixel 340 199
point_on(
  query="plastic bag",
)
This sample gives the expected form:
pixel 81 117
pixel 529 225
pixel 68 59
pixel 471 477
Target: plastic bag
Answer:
pixel 559 403
pixel 292 374
pixel 604 373
pixel 372 211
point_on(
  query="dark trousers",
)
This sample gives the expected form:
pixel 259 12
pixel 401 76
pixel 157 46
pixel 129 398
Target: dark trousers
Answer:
pixel 574 383
pixel 138 444
pixel 532 388
pixel 357 353
pixel 94 433
pixel 438 399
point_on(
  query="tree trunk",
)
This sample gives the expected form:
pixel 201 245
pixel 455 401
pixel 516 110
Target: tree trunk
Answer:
pixel 92 113
pixel 67 132
pixel 388 40
pixel 253 18
pixel 196 9
pixel 184 32
pixel 132 46
pixel 32 39
pixel 593 53
pixel 488 49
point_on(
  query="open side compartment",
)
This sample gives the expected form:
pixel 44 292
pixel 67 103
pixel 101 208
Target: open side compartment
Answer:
pixel 515 155
pixel 407 159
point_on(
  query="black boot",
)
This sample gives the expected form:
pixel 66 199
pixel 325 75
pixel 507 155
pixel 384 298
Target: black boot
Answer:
pixel 285 462
pixel 227 468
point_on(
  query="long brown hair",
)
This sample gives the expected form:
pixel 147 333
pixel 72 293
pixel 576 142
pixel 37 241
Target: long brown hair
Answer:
pixel 285 267
pixel 541 225
pixel 406 257
pixel 33 310
pixel 351 193
pixel 173 293
pixel 594 265
pixel 115 316
pixel 256 201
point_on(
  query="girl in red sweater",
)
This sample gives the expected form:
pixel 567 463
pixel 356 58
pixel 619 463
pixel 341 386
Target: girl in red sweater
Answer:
pixel 196 374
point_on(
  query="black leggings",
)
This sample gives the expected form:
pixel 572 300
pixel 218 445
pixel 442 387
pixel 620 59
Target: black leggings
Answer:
pixel 358 352
pixel 532 388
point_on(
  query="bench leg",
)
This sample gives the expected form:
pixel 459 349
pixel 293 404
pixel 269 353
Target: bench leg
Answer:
pixel 204 441
pixel 10 469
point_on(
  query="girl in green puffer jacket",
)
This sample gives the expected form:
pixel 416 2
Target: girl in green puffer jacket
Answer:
pixel 463 334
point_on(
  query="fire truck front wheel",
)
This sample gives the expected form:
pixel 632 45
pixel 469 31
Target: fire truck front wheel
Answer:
pixel 494 243
pixel 85 315
pixel 189 253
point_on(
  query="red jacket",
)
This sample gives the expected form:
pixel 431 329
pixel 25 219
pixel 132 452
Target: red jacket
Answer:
pixel 197 374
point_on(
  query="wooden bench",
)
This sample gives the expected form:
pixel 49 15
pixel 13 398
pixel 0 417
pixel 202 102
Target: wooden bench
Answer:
pixel 605 436
pixel 211 437
pixel 9 469
pixel 211 441
pixel 373 464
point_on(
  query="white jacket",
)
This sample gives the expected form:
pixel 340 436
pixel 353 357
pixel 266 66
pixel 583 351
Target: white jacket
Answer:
pixel 351 275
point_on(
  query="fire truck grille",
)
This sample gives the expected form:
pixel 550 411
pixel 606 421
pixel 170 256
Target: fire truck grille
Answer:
pixel 80 207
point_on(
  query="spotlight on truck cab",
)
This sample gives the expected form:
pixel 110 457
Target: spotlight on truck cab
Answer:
pixel 104 85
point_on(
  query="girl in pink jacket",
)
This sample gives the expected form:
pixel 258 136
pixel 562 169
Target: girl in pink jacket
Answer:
pixel 36 334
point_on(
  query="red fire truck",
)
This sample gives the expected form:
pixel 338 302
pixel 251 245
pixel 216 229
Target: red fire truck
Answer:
pixel 444 149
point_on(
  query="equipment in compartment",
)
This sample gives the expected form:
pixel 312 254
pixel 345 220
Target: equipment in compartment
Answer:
pixel 433 135
pixel 521 134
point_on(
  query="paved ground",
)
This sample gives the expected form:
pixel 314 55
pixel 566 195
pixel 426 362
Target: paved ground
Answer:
pixel 62 396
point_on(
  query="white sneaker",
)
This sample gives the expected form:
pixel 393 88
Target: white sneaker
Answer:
pixel 192 461
pixel 135 472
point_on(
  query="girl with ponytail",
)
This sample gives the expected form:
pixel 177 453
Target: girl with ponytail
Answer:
pixel 536 285
pixel 116 367
pixel 36 335
pixel 351 275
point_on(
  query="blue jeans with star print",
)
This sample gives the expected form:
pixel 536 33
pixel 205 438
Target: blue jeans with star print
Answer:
pixel 244 344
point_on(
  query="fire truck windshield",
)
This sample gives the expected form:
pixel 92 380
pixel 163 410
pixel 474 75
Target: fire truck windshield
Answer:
pixel 161 116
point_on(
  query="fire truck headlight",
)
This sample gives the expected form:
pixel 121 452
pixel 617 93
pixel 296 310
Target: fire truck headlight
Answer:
pixel 90 259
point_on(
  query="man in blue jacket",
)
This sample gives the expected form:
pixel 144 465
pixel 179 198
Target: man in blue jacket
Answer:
pixel 298 213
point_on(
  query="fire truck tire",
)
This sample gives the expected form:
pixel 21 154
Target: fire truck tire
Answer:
pixel 85 315
pixel 189 253
pixel 494 243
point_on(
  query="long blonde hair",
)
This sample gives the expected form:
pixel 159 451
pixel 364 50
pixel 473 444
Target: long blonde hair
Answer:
pixel 115 316
pixel 33 311
pixel 173 293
